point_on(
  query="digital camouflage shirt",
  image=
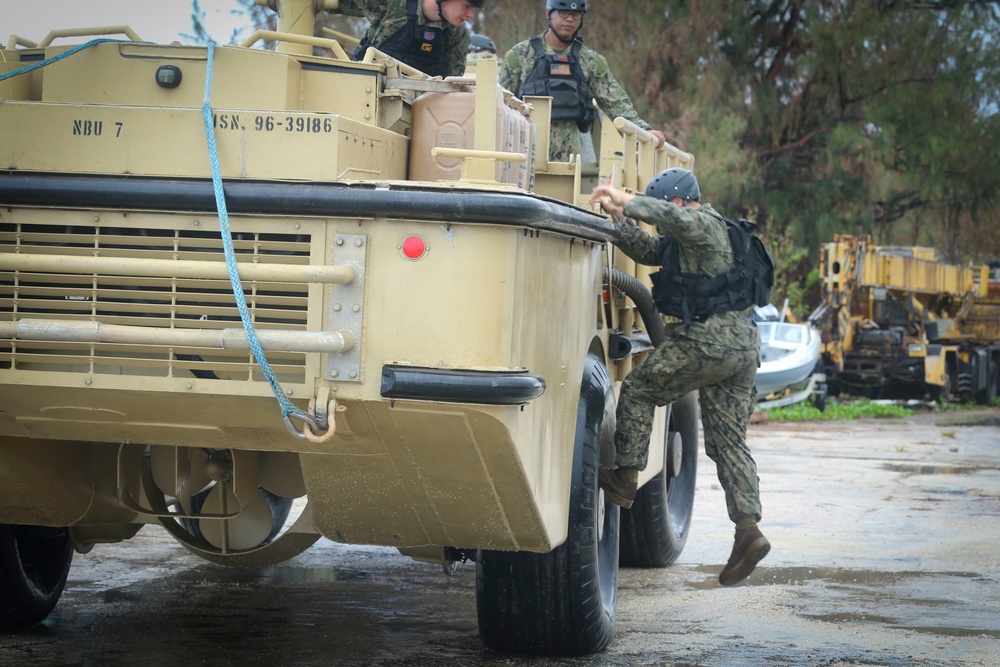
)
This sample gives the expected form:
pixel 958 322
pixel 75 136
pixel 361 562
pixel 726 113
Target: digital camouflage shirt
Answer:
pixel 564 135
pixel 473 58
pixel 388 16
pixel 704 249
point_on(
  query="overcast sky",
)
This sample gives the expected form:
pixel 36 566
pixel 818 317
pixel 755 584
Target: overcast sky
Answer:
pixel 153 20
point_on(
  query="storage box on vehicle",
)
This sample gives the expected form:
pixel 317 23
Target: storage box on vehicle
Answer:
pixel 448 120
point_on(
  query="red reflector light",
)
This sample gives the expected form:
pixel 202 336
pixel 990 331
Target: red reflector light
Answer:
pixel 414 247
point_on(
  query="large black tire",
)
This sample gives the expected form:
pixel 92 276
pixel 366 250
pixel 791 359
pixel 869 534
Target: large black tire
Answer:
pixel 655 530
pixel 562 602
pixel 819 396
pixel 34 564
pixel 986 396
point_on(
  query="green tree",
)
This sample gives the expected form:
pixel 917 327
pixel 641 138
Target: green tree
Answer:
pixel 869 117
pixel 826 117
pixel 812 118
pixel 256 18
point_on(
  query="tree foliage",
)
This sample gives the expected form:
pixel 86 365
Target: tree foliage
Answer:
pixel 823 117
pixel 876 117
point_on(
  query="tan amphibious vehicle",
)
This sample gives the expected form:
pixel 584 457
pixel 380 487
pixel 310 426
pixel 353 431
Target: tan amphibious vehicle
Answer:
pixel 262 296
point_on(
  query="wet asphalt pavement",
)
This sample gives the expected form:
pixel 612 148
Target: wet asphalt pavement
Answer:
pixel 886 551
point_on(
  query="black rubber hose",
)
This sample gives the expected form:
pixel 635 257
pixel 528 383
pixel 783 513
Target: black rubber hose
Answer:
pixel 643 300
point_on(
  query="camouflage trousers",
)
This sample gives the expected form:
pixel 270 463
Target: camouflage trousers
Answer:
pixel 564 140
pixel 725 380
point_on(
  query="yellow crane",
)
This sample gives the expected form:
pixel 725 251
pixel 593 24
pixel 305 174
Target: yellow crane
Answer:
pixel 898 322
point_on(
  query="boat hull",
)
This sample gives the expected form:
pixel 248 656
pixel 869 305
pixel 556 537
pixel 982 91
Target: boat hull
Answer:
pixel 789 353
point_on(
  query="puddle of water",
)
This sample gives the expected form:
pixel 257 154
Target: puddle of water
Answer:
pixel 276 574
pixel 945 491
pixel 932 469
pixel 932 603
pixel 870 579
pixel 971 420
pixel 792 576
pixel 853 619
pixel 924 602
pixel 302 575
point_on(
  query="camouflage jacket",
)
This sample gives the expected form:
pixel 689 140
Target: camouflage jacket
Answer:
pixel 473 58
pixel 704 249
pixel 388 16
pixel 564 135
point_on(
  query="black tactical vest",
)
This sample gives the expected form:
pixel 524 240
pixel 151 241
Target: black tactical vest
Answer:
pixel 691 296
pixel 420 46
pixel 560 77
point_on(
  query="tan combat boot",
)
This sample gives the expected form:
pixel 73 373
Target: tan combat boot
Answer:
pixel 619 483
pixel 749 548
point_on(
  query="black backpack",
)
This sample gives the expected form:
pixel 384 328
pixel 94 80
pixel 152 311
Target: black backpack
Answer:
pixel 694 297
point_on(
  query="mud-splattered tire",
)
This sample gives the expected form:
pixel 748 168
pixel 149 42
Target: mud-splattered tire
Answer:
pixel 34 564
pixel 819 397
pixel 562 602
pixel 655 530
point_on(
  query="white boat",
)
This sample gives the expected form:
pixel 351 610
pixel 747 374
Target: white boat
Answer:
pixel 788 352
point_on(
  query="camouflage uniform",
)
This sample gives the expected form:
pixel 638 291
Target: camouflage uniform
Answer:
pixel 719 356
pixel 564 135
pixel 388 16
pixel 474 57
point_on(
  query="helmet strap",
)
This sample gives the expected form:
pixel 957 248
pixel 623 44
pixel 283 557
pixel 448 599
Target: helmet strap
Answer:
pixel 440 11
pixel 556 34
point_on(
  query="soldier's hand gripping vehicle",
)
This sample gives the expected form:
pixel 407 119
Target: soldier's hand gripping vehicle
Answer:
pixel 232 277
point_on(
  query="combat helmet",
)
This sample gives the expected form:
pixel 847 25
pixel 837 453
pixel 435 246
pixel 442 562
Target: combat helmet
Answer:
pixel 481 43
pixel 566 5
pixel 674 182
pixel 475 3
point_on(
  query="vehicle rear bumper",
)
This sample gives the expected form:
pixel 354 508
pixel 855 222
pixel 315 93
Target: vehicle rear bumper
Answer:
pixel 460 386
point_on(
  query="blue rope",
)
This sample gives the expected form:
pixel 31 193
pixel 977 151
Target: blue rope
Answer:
pixel 65 54
pixel 227 241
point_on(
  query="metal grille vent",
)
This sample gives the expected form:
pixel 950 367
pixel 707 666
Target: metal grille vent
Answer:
pixel 160 301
